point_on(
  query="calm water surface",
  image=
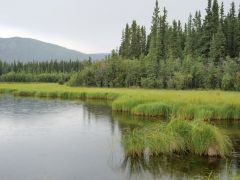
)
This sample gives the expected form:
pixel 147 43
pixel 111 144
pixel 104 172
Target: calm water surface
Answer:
pixel 64 140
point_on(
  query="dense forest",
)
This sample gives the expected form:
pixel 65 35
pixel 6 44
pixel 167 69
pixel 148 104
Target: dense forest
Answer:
pixel 202 53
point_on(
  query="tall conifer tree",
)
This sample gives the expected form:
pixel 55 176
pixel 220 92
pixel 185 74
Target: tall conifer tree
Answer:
pixel 207 31
pixel 217 49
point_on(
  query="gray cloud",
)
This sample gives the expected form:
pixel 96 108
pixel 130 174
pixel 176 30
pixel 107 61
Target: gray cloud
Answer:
pixel 85 25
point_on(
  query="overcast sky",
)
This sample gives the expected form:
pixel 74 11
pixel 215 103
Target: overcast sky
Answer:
pixel 90 26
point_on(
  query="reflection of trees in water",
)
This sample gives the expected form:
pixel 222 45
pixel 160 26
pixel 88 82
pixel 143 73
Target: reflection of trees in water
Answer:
pixel 125 120
pixel 97 110
pixel 176 167
pixel 134 165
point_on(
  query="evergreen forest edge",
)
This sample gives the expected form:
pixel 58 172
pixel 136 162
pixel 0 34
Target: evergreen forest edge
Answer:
pixel 203 53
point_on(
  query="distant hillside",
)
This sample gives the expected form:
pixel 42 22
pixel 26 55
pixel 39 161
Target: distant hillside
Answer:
pixel 26 49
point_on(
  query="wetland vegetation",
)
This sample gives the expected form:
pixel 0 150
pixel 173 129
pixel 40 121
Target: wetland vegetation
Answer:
pixel 190 133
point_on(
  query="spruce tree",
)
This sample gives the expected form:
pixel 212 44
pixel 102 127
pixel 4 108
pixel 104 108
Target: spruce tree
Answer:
pixel 135 47
pixel 143 41
pixel 231 31
pixel 197 33
pixel 126 41
pixel 217 49
pixel 189 45
pixel 207 31
pixel 215 16
pixel 154 29
pixel 181 36
pixel 175 49
pixel 153 61
pixel 238 31
pixel 222 14
pixel 162 36
pixel 239 13
pixel 122 44
pixel 148 43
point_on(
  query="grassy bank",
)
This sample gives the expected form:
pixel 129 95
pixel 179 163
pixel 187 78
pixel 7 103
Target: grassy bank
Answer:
pixel 208 105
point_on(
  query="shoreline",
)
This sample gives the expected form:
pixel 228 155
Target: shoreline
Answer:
pixel 172 136
pixel 208 105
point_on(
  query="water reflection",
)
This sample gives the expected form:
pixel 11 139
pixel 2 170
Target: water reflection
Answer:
pixel 176 166
pixel 55 139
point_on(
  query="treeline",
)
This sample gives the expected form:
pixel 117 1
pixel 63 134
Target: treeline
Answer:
pixel 60 78
pixel 202 53
pixel 52 71
pixel 52 66
pixel 189 73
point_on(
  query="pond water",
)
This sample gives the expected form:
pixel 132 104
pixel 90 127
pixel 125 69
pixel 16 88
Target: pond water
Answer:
pixel 66 140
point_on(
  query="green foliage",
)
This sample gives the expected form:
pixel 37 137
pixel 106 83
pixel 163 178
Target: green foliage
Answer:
pixel 227 82
pixel 84 78
pixel 182 81
pixel 237 81
pixel 27 77
pixel 217 48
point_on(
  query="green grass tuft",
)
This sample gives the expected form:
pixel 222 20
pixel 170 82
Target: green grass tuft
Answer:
pixel 183 129
pixel 178 136
pixel 134 143
pixel 207 139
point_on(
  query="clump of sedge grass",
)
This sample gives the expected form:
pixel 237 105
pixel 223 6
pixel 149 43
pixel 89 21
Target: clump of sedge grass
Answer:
pixel 134 143
pixel 208 140
pixel 160 141
pixel 178 136
pixel 182 129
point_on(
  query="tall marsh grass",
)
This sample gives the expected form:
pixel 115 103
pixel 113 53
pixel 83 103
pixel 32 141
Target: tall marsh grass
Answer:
pixel 207 105
pixel 178 136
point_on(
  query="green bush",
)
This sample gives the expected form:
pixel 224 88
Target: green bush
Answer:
pixel 227 82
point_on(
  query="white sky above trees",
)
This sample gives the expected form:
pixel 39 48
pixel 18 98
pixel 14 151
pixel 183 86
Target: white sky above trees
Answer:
pixel 90 26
